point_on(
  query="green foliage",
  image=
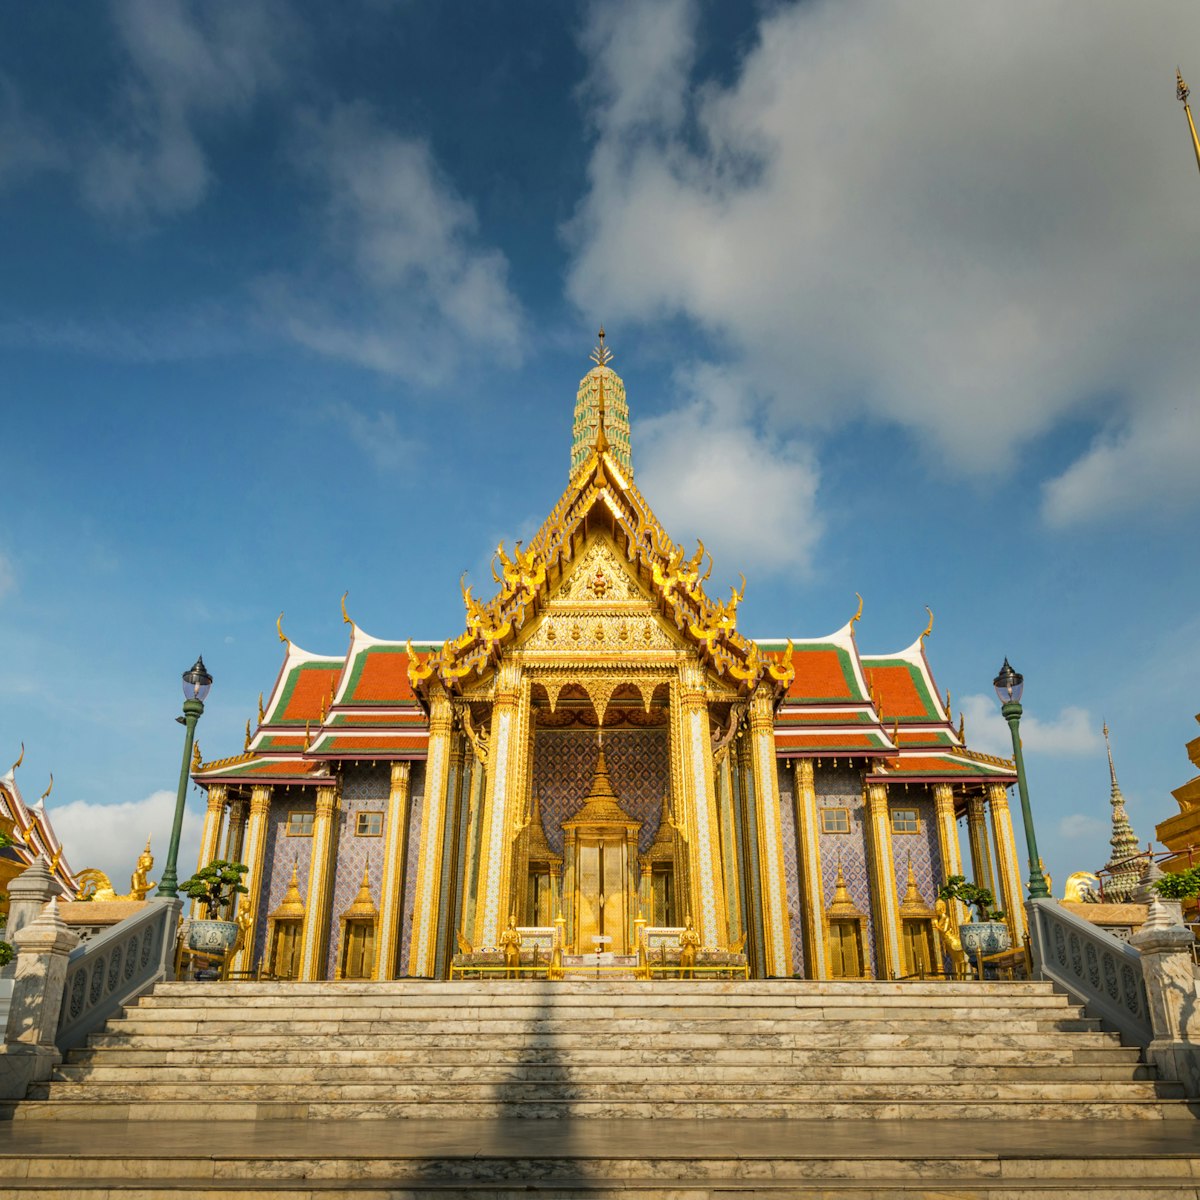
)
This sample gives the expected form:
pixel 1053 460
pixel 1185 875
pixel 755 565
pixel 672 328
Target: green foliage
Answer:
pixel 972 895
pixel 1181 885
pixel 215 885
pixel 7 953
pixel 5 840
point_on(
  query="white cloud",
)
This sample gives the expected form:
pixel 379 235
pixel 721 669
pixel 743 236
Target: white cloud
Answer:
pixel 975 222
pixel 377 435
pixel 27 146
pixel 8 576
pixel 708 473
pixel 406 282
pixel 190 63
pixel 1072 732
pixel 111 836
pixel 1079 827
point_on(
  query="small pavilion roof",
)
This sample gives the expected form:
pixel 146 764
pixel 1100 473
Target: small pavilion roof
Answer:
pixel 33 831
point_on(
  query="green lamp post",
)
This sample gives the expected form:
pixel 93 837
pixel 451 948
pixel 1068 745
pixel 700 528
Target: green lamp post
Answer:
pixel 196 683
pixel 1009 685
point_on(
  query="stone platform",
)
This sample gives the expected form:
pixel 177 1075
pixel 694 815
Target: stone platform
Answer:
pixel 599 1159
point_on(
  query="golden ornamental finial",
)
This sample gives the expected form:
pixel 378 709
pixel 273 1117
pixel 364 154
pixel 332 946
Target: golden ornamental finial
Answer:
pixel 962 727
pixel 261 713
pixel 283 637
pixel 345 615
pixel 859 612
pixel 20 758
pixel 196 760
pixel 49 789
pixel 1182 92
pixel 929 627
pixel 246 745
pixel 601 355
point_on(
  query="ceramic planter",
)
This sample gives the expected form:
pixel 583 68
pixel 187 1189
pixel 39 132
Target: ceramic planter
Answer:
pixel 984 937
pixel 212 937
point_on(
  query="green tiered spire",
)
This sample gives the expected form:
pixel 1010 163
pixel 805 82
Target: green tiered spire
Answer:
pixel 601 414
pixel 1123 868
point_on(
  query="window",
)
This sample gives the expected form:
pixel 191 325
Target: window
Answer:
pixel 539 896
pixel 904 820
pixel 835 820
pixel 369 824
pixel 662 887
pixel 300 824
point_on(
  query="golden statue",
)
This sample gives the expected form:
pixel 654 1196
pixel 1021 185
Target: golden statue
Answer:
pixel 950 942
pixel 689 943
pixel 140 882
pixel 94 884
pixel 510 943
pixel 1080 888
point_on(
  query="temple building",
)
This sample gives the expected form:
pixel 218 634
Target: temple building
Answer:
pixel 31 833
pixel 1181 832
pixel 602 751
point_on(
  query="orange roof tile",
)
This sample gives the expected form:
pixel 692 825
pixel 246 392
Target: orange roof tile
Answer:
pixel 898 694
pixel 310 687
pixel 380 676
pixel 820 674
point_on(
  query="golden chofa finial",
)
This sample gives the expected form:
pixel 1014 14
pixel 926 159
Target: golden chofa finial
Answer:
pixel 346 620
pixel 859 612
pixel 20 758
pixel 1182 92
pixel 246 746
pixel 49 789
pixel 929 627
pixel 601 355
pixel 283 637
pixel 196 760
pixel 261 713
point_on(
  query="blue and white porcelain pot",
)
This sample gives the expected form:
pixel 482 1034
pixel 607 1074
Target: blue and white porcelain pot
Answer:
pixel 984 937
pixel 212 937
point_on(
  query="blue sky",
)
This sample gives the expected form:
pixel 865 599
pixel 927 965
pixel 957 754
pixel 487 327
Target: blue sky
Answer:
pixel 295 299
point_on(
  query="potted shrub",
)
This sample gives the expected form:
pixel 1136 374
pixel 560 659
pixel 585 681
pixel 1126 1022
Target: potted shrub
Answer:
pixel 214 886
pixel 988 934
pixel 1180 886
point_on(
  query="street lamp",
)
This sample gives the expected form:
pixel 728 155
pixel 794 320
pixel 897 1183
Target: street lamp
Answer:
pixel 196 683
pixel 1009 685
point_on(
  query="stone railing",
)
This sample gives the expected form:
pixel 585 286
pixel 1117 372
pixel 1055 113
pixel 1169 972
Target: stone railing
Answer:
pixel 111 970
pixel 1095 967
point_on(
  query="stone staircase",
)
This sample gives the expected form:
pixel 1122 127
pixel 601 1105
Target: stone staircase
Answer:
pixel 613 1049
pixel 689 1090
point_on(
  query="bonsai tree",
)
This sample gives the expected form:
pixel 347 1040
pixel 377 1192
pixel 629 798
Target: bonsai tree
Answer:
pixel 973 896
pixel 1181 885
pixel 216 885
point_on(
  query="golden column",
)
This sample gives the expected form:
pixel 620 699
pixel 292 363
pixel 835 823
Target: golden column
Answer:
pixel 236 834
pixel 391 897
pixel 730 865
pixel 210 839
pixel 707 898
pixel 777 959
pixel 320 878
pixel 256 852
pixel 947 830
pixel 1012 896
pixel 883 876
pixel 501 804
pixel 422 957
pixel 981 857
pixel 812 891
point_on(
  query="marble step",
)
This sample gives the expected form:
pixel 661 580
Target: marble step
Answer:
pixel 550 1070
pixel 348 1058
pixel 744 987
pixel 927 1108
pixel 523 1089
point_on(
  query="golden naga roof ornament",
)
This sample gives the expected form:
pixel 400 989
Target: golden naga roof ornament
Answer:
pixel 246 744
pixel 928 628
pixel 261 712
pixel 962 727
pixel 418 669
pixel 197 761
pixel 283 637
pixel 858 614
pixel 346 618
pixel 786 671
pixel 20 759
pixel 49 789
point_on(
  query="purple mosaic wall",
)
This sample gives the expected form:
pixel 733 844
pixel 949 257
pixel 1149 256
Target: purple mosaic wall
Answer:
pixel 638 764
pixel 279 854
pixel 922 847
pixel 412 857
pixel 364 789
pixel 841 787
pixel 791 867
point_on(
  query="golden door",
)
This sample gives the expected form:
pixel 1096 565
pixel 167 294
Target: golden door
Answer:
pixel 845 950
pixel 601 900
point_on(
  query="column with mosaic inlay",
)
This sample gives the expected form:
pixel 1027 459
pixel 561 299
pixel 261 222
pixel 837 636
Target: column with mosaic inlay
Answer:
pixel 422 958
pixel 742 777
pixel 886 902
pixel 777 946
pixel 450 858
pixel 315 942
pixel 391 899
pixel 235 836
pixel 1012 894
pixel 501 803
pixel 210 838
pixel 256 855
pixel 474 831
pixel 730 857
pixel 977 838
pixel 808 854
pixel 947 830
pixel 706 892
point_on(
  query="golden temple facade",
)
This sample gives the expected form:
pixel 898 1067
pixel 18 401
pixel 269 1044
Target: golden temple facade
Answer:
pixel 601 755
